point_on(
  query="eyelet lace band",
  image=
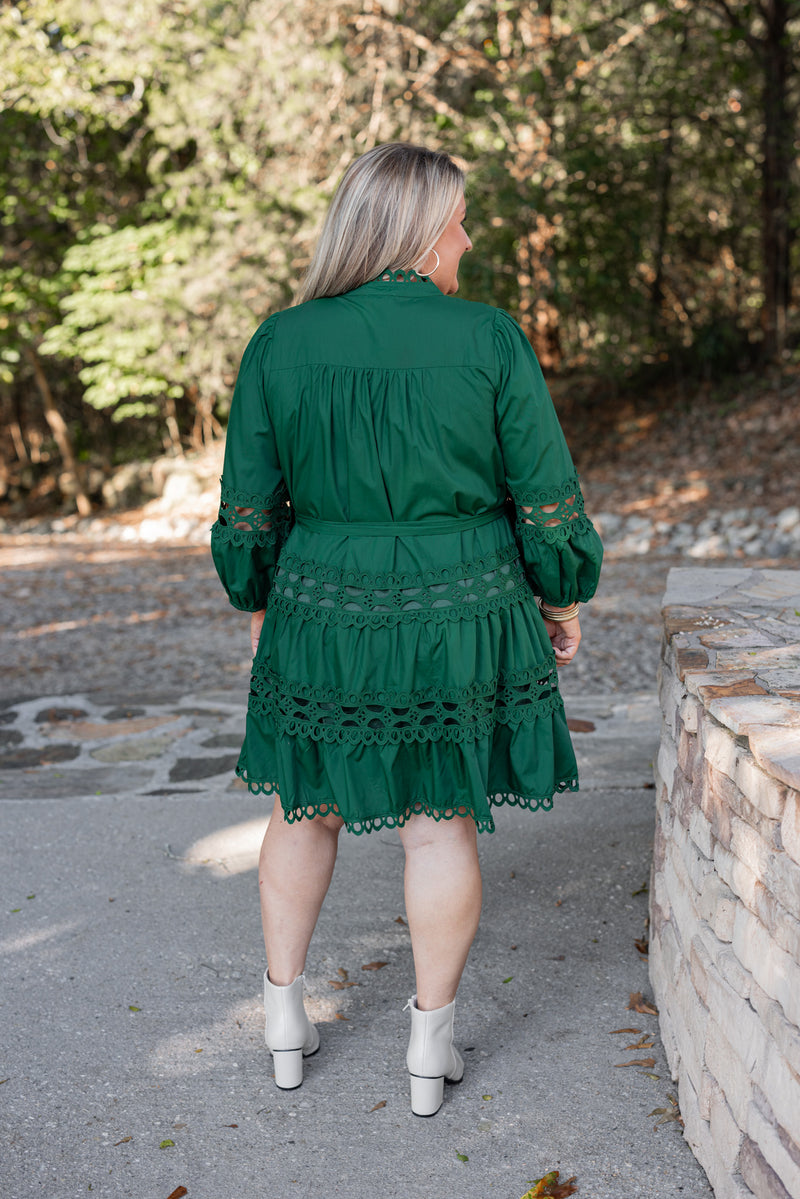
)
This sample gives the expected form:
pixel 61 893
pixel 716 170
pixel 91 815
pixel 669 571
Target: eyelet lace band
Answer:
pixel 329 595
pixel 390 717
pixel 248 519
pixel 551 514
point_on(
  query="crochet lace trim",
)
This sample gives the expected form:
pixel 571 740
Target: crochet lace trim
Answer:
pixel 249 519
pixel 550 514
pixel 347 597
pixel 484 824
pixel 406 276
pixel 387 717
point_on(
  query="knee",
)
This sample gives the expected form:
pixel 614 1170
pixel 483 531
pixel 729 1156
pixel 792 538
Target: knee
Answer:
pixel 332 825
pixel 424 832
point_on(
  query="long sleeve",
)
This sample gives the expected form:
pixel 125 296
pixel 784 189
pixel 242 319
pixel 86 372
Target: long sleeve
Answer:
pixel 561 549
pixel 255 515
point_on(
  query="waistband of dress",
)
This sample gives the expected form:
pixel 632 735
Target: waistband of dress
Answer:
pixel 398 528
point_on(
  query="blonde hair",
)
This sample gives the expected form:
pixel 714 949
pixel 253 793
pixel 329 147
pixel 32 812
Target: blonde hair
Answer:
pixel 390 208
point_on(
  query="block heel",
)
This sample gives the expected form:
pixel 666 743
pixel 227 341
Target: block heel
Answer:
pixel 288 1066
pixel 426 1095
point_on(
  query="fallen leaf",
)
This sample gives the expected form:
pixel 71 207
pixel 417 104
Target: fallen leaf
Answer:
pixel 374 965
pixel 339 1016
pixel 133 1008
pixel 378 1106
pixel 462 1157
pixel 2 1080
pixel 167 1145
pixel 198 1051
pixel 646 1062
pixel 643 1043
pixel 342 972
pixel 486 1096
pixel 338 985
pixel 178 1193
pixel 655 1077
pixel 642 946
pixel 579 726
pixel 549 1187
pixel 559 902
pixel 513 874
pixel 642 890
pixel 508 980
pixel 124 1141
pixel 614 1031
pixel 638 1003
pixel 667 1114
pixel 399 920
pixel 230 1125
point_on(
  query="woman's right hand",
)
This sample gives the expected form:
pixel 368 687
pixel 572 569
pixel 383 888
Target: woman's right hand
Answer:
pixel 256 623
pixel 565 637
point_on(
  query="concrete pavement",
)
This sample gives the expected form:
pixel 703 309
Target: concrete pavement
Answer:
pixel 133 1059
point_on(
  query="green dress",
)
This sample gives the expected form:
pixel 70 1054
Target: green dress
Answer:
pixel 396 491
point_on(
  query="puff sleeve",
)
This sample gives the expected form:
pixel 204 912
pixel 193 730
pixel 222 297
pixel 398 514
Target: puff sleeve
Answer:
pixel 560 547
pixel 255 513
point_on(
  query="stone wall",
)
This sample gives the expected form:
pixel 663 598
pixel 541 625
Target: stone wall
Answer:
pixel 725 893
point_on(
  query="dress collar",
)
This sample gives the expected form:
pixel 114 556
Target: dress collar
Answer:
pixel 402 276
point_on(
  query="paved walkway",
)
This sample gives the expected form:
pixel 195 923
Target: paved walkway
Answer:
pixel 131 969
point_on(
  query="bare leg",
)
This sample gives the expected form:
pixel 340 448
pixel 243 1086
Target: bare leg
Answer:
pixel 443 902
pixel 294 873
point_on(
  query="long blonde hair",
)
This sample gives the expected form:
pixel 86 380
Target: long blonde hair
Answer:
pixel 390 208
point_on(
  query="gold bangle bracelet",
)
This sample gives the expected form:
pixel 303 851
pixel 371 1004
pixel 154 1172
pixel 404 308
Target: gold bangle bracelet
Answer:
pixel 556 615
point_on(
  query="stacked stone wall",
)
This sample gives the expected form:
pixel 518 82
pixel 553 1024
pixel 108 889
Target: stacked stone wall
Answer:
pixel 725 892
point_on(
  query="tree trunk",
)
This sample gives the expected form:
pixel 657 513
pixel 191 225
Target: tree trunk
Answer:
pixel 776 185
pixel 58 427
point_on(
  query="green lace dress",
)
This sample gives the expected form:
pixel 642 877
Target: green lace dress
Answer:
pixel 396 491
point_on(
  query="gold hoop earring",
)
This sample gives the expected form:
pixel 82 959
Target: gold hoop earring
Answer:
pixel 427 274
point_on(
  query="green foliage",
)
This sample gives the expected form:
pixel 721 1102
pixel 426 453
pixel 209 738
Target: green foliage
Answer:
pixel 164 165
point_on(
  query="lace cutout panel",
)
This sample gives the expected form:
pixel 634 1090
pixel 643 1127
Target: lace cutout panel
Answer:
pixel 551 514
pixel 391 717
pixel 334 596
pixel 247 519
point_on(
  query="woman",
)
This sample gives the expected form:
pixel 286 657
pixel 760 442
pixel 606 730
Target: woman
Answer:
pixel 403 674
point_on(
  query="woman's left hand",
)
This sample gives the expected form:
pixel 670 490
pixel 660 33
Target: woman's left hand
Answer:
pixel 565 637
pixel 256 623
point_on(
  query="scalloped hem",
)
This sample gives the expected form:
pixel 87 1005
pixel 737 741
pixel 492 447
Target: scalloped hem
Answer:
pixel 484 824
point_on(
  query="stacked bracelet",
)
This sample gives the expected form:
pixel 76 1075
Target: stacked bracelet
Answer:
pixel 559 615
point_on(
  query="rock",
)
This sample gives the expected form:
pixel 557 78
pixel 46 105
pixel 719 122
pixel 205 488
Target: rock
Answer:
pixel 58 715
pixel 138 749
pixel 707 547
pixel 25 759
pixel 131 484
pixel 181 485
pixel 788 519
pixel 608 524
pixel 186 769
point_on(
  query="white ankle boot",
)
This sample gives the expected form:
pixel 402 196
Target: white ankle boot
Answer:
pixel 289 1034
pixel 431 1057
